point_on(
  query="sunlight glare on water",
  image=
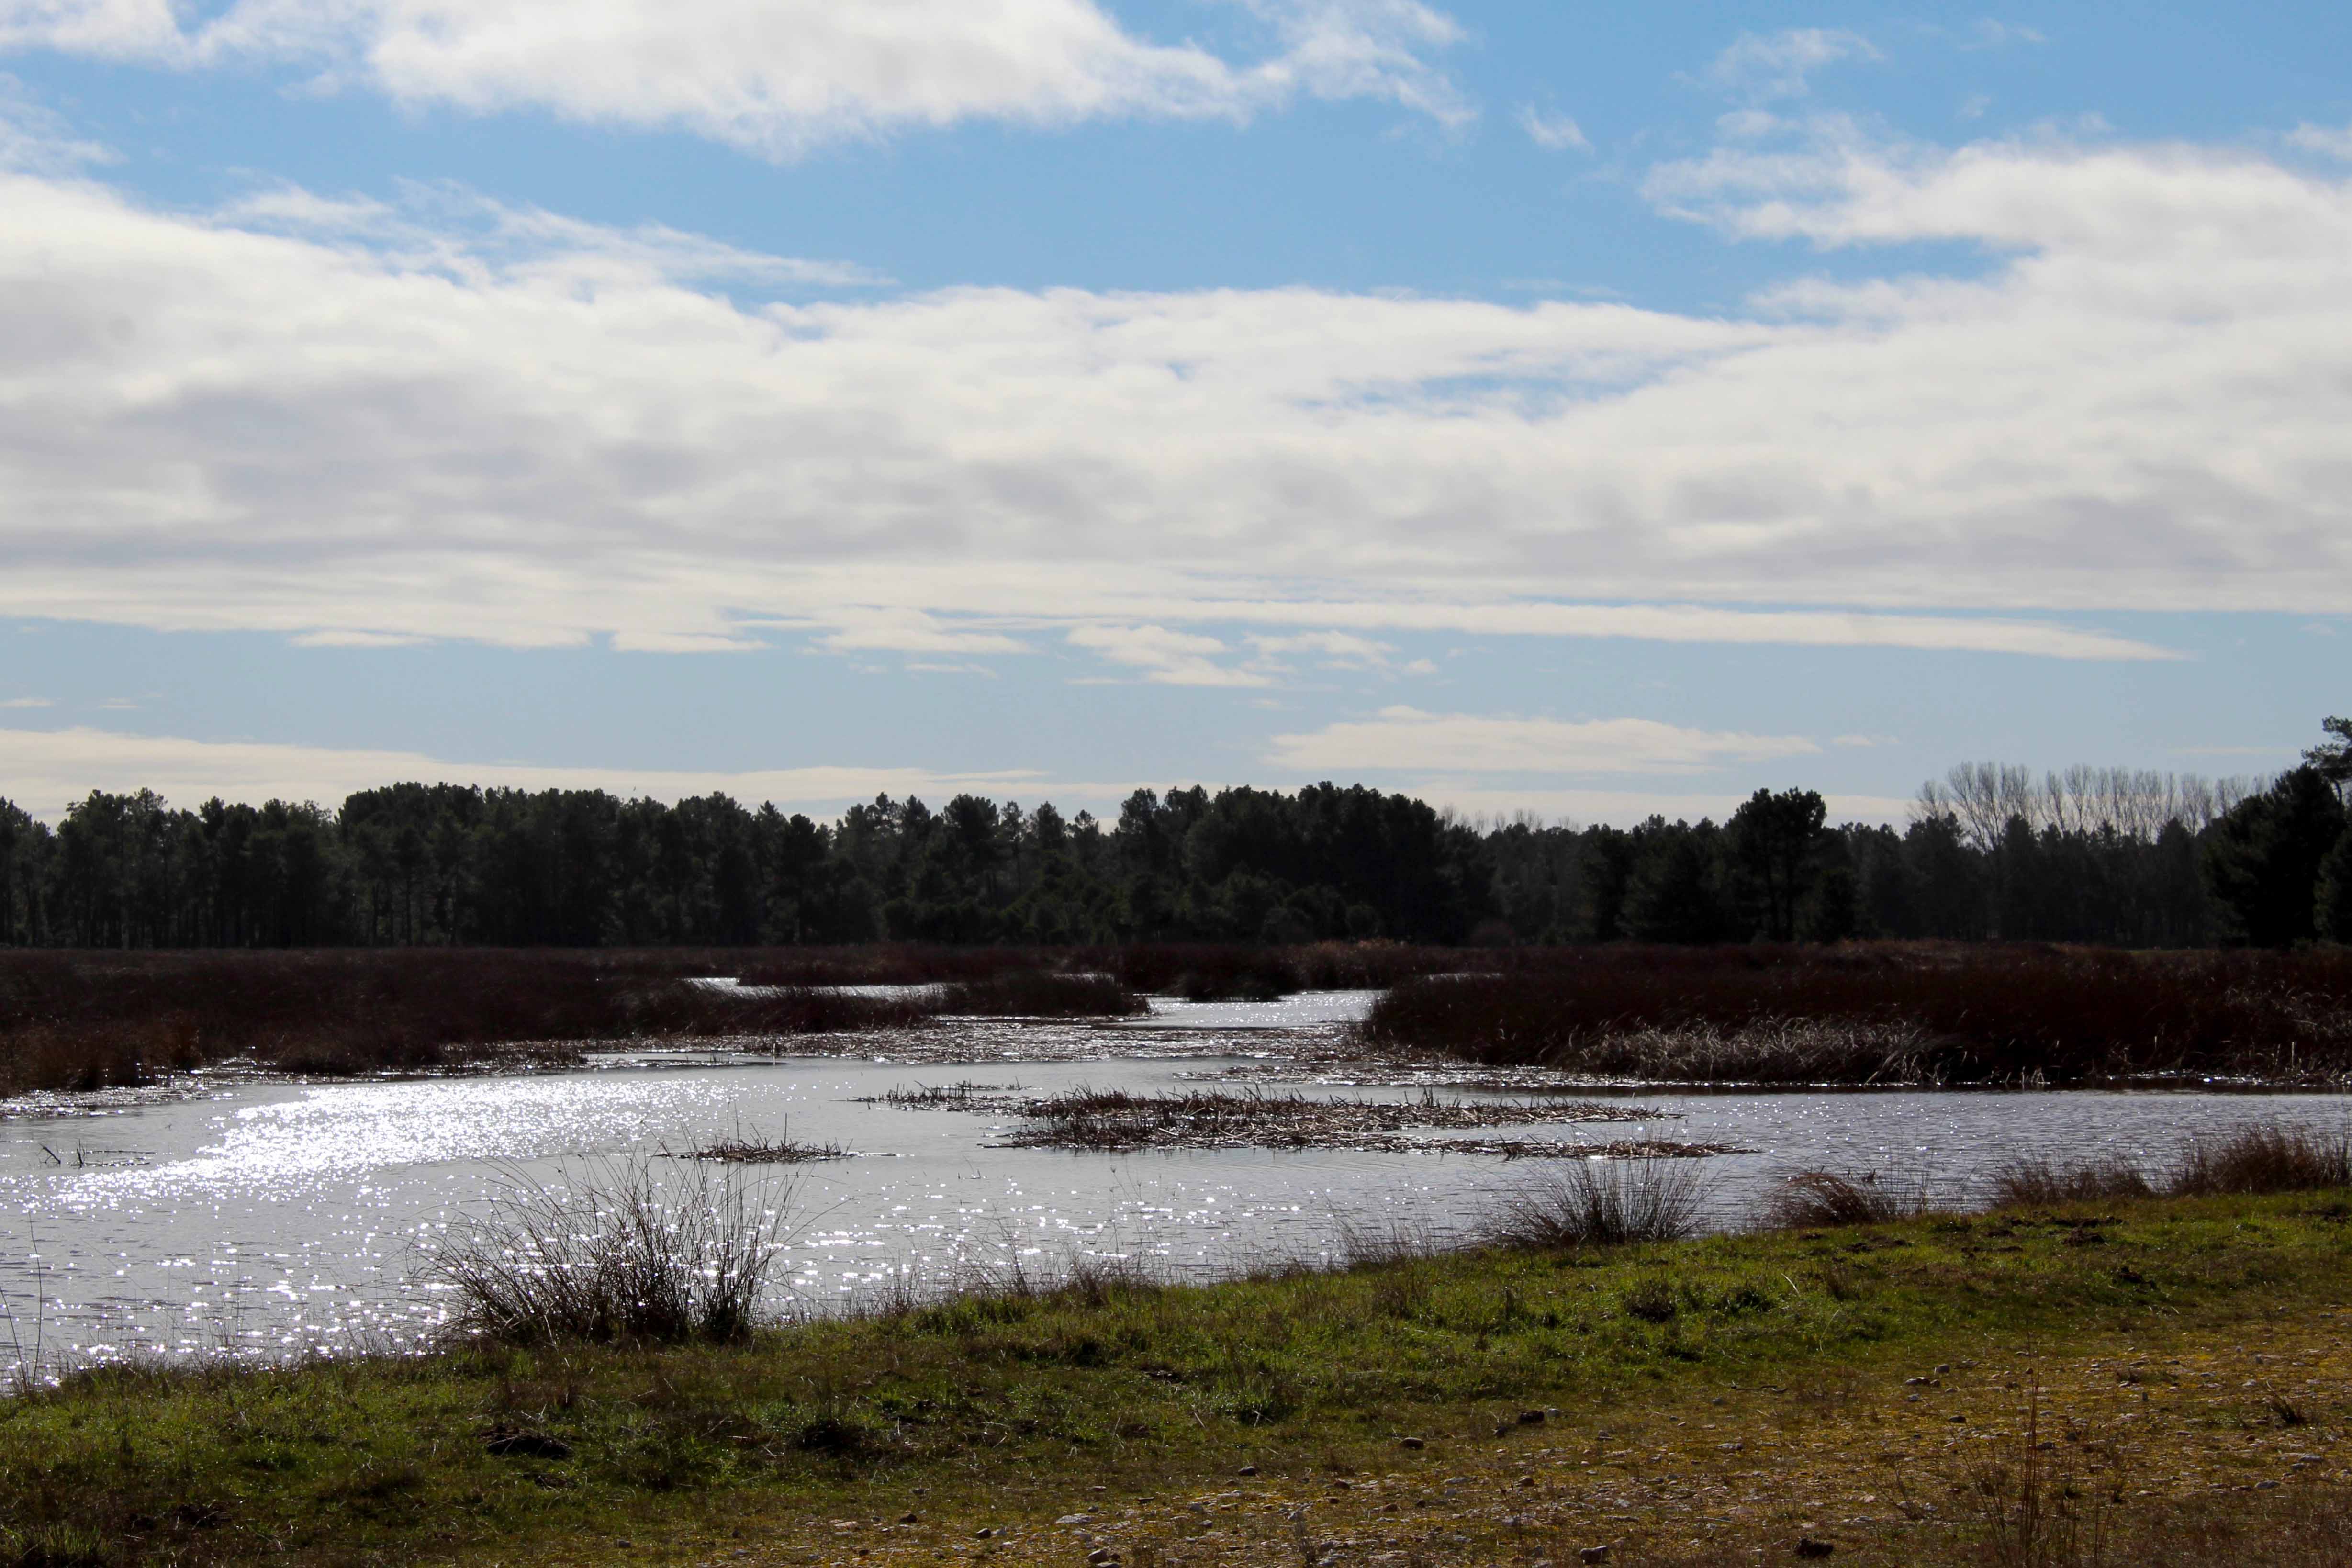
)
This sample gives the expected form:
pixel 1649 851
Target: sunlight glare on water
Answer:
pixel 279 1219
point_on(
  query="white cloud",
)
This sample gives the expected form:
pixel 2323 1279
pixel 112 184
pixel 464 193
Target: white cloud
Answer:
pixel 907 630
pixel 1401 738
pixel 25 703
pixel 1780 65
pixel 2329 140
pixel 1552 131
pixel 1345 649
pixel 777 77
pixel 1167 657
pixel 1989 34
pixel 43 770
pixel 459 422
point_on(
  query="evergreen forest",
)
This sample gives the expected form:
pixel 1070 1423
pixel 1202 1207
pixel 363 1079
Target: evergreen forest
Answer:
pixel 2101 856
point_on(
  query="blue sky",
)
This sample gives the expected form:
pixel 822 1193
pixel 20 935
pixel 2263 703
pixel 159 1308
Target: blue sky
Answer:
pixel 1571 409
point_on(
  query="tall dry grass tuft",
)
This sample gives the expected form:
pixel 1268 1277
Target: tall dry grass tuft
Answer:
pixel 1602 1203
pixel 613 1254
pixel 2037 1506
pixel 2261 1159
pixel 1819 1200
pixel 2037 1182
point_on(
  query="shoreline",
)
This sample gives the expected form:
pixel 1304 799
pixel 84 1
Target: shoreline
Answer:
pixel 1692 1396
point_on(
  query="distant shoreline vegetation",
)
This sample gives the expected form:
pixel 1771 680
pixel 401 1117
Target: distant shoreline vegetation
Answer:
pixel 2104 857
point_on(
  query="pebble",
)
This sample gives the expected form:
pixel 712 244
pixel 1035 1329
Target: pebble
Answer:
pixel 1593 1554
pixel 1410 1443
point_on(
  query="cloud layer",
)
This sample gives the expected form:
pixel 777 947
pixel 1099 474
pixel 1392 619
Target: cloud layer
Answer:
pixel 443 418
pixel 778 76
pixel 1407 739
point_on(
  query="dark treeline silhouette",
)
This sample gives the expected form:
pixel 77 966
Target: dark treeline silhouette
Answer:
pixel 2088 855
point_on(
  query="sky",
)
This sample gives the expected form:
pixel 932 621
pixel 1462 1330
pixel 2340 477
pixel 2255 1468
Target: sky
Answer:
pixel 1537 407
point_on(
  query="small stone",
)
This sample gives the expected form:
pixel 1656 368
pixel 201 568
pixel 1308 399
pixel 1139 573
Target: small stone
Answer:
pixel 983 1532
pixel 1247 1470
pixel 1073 1518
pixel 909 1518
pixel 1531 1418
pixel 1098 1488
pixel 1958 1420
pixel 1807 1546
pixel 1593 1554
pixel 1943 1367
pixel 1410 1443
pixel 1526 1480
pixel 1915 1383
pixel 1102 1557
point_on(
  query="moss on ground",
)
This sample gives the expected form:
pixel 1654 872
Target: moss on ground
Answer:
pixel 1707 1399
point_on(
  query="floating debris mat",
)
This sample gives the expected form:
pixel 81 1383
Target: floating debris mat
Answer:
pixel 1115 1121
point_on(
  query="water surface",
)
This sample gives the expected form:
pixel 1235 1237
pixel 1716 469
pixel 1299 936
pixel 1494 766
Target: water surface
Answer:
pixel 272 1219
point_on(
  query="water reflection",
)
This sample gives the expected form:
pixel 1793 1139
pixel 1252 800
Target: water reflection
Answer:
pixel 279 1218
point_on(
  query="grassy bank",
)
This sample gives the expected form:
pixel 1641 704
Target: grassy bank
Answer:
pixel 1871 1387
pixel 1890 1013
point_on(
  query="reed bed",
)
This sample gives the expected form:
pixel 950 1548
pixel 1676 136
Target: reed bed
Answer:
pixel 1041 994
pixel 78 1021
pixel 1890 1013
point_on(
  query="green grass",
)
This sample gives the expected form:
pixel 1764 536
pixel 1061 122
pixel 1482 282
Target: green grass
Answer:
pixel 1115 1383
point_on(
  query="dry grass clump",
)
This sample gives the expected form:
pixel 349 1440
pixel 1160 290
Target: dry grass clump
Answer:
pixel 2260 1159
pixel 2038 1181
pixel 2245 1162
pixel 1038 993
pixel 1892 1012
pixel 616 1256
pixel 1819 1200
pixel 1602 1203
pixel 741 1148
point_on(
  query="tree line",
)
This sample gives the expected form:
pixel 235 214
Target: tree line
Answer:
pixel 2091 856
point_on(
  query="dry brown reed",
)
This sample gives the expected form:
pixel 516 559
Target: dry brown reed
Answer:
pixel 1891 1012
pixel 83 1020
pixel 2251 1158
pixel 2038 1181
pixel 2262 1159
pixel 1039 993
